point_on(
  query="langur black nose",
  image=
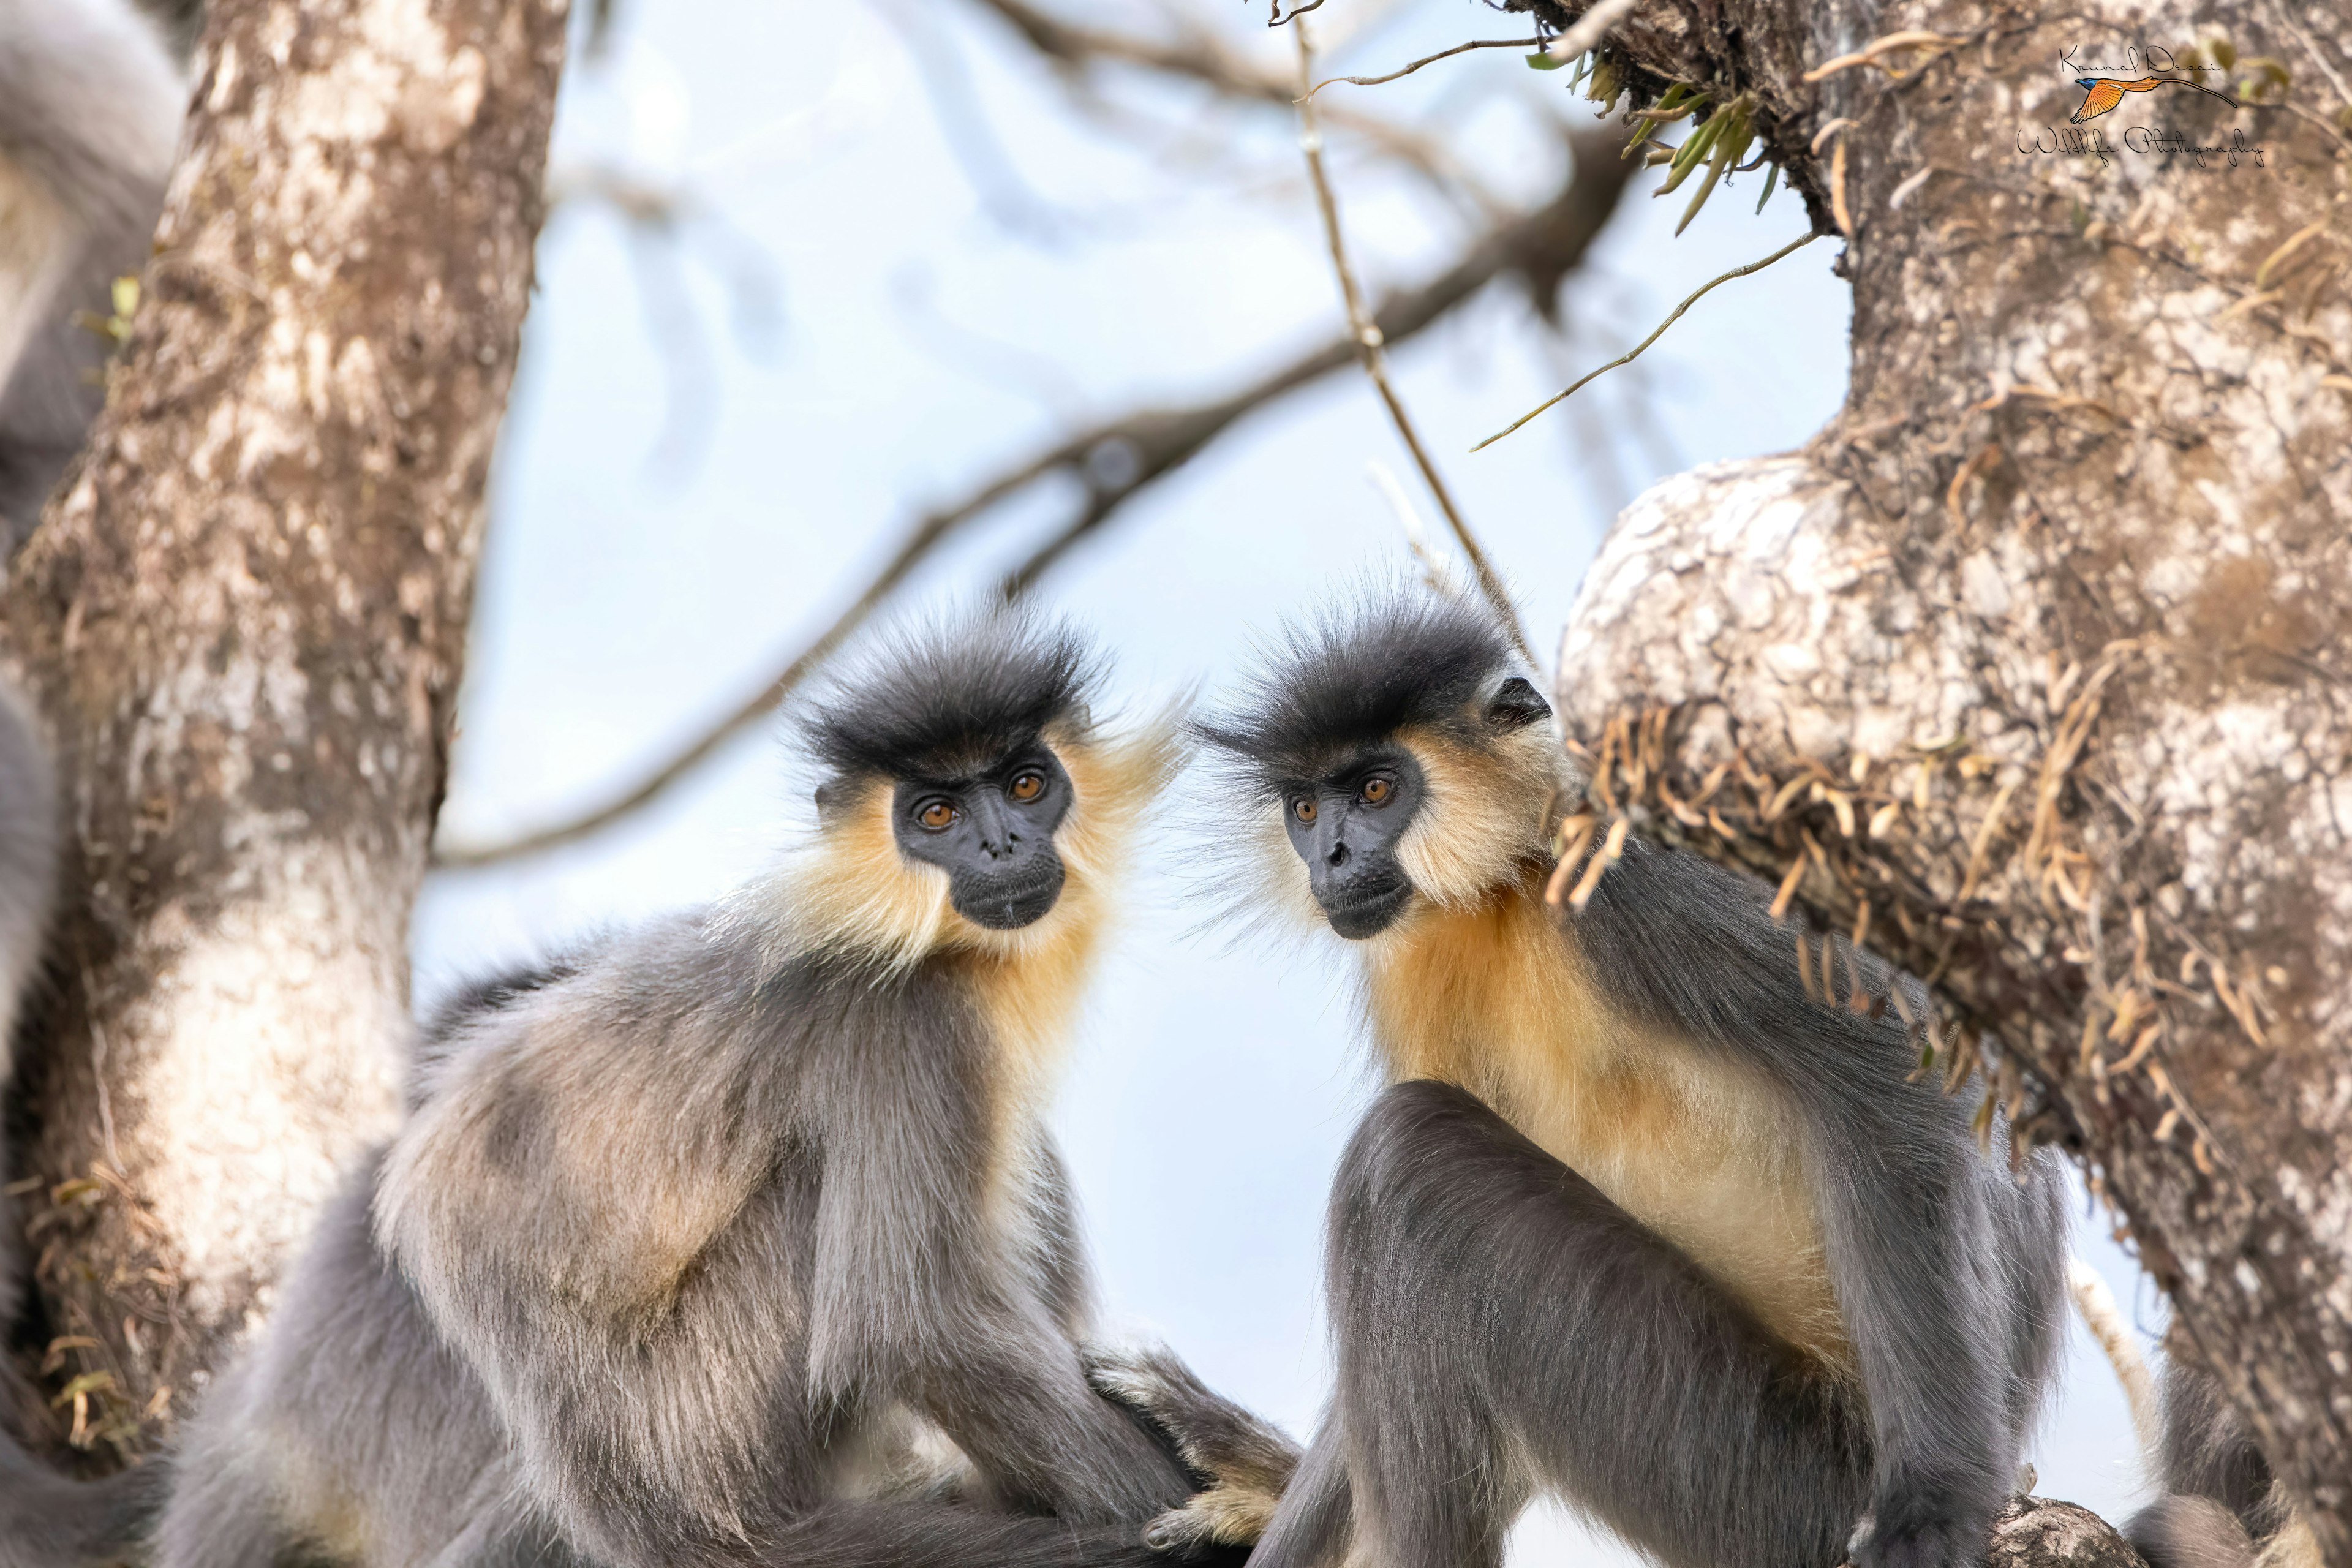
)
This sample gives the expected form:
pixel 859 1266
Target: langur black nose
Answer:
pixel 994 826
pixel 1337 856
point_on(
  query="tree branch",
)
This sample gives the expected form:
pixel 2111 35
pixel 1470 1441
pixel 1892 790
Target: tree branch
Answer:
pixel 1119 458
pixel 1201 57
pixel 1369 340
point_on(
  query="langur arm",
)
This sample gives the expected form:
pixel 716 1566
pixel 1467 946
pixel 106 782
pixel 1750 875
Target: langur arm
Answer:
pixel 1898 1182
pixel 1909 1238
pixel 1240 1464
pixel 915 1298
pixel 1057 1245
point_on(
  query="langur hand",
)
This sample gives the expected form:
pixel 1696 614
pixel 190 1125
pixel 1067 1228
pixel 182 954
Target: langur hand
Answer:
pixel 1239 1463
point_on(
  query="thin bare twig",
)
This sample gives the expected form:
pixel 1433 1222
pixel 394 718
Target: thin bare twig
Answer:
pixel 1635 351
pixel 1119 458
pixel 1201 57
pixel 1426 61
pixel 1370 341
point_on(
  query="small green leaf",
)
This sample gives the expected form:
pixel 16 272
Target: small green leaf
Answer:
pixel 1727 148
pixel 1603 85
pixel 1772 182
pixel 1541 60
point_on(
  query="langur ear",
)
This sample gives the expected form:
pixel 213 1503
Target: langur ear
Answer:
pixel 1516 704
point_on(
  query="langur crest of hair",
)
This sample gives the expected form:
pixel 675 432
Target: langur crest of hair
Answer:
pixel 934 700
pixel 1398 665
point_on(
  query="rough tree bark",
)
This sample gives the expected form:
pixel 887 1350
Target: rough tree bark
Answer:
pixel 2039 653
pixel 244 622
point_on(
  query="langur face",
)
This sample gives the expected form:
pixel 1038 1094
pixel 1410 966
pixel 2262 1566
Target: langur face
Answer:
pixel 1345 825
pixel 992 834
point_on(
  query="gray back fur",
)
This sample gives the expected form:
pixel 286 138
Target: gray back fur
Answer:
pixel 683 1245
pixel 91 103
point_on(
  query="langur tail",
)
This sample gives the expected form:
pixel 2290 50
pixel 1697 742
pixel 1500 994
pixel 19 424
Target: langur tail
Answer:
pixel 90 103
pixel 947 1535
pixel 48 1520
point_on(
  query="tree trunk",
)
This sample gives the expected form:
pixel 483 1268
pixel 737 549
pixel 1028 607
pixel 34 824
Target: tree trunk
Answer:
pixel 244 623
pixel 2038 656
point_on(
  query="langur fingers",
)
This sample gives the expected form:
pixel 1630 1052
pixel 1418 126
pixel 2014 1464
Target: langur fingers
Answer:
pixel 1225 1447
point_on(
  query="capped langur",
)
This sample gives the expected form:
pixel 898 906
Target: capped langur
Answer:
pixel 2221 1507
pixel 46 1520
pixel 90 103
pixel 740 1239
pixel 1637 1222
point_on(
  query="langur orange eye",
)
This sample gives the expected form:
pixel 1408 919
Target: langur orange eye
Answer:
pixel 1028 786
pixel 1304 808
pixel 936 815
pixel 1375 791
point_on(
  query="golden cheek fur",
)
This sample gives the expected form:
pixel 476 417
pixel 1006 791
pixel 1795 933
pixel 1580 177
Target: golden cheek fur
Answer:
pixel 1269 877
pixel 852 889
pixel 1484 814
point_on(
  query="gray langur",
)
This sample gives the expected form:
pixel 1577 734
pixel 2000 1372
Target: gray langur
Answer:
pixel 1637 1222
pixel 2221 1507
pixel 47 1521
pixel 740 1239
pixel 91 103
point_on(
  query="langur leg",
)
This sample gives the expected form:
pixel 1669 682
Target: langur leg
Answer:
pixel 1503 1327
pixel 2033 1255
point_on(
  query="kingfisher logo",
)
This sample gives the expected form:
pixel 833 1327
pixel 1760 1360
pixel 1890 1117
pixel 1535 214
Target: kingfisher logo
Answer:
pixel 2141 75
pixel 2101 94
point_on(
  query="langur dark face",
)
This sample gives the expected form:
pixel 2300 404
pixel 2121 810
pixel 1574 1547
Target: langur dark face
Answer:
pixel 992 834
pixel 1345 826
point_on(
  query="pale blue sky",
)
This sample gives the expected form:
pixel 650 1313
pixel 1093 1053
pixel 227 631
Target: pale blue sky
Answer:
pixel 636 584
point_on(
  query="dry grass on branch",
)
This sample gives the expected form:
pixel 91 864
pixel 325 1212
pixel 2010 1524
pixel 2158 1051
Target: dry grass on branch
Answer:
pixel 1941 860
